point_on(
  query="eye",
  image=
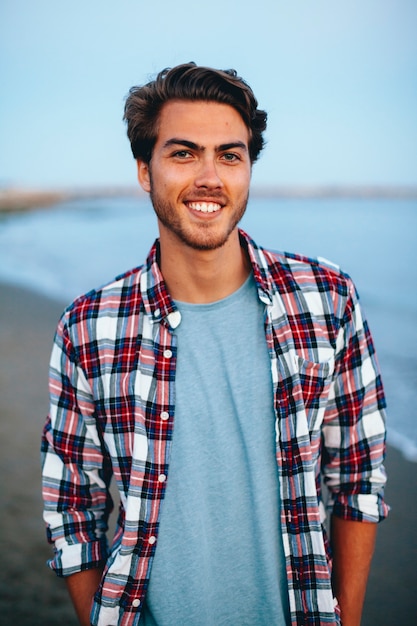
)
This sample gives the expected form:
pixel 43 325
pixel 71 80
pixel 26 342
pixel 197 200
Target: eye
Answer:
pixel 230 157
pixel 182 154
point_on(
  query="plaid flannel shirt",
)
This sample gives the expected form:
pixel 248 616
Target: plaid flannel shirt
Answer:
pixel 112 383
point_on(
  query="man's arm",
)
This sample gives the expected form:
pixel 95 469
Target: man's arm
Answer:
pixel 77 500
pixel 82 587
pixel 353 546
pixel 354 446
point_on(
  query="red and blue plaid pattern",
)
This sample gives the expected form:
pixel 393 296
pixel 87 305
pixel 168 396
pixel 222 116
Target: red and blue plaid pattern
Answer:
pixel 112 380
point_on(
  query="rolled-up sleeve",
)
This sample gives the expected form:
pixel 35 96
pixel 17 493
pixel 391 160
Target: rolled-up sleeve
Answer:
pixel 354 424
pixel 76 470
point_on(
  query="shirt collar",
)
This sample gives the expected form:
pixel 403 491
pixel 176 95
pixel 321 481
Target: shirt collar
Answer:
pixel 260 267
pixel 159 304
pixel 156 299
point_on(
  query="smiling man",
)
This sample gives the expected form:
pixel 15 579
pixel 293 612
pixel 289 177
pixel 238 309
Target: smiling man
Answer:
pixel 221 385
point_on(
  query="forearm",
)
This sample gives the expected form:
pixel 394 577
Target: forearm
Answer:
pixel 353 546
pixel 82 587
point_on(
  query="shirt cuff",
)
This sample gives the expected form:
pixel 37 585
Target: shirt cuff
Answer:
pixel 359 507
pixel 70 559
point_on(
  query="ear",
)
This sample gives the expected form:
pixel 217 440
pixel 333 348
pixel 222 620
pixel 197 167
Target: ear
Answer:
pixel 143 175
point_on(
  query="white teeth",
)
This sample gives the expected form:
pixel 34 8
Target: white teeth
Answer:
pixel 205 207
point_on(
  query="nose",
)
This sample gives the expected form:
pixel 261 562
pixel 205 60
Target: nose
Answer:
pixel 207 174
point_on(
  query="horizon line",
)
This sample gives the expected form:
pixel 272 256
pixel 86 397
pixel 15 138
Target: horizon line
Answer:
pixel 13 198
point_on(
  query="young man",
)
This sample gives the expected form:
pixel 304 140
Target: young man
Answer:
pixel 220 384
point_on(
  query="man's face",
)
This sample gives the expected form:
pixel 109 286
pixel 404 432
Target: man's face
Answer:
pixel 199 174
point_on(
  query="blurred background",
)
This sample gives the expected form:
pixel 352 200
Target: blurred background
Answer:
pixel 338 178
pixel 338 79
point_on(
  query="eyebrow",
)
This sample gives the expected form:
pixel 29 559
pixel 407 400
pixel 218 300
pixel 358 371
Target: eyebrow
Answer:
pixel 193 146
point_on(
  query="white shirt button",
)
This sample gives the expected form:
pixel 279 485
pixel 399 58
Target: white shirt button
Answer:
pixel 136 602
pixel 157 313
pixel 162 478
pixel 164 415
pixel 167 354
pixel 152 540
pixel 174 319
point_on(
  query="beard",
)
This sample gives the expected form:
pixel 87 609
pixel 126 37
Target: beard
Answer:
pixel 197 235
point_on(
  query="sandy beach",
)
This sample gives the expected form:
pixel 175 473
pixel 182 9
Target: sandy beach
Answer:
pixel 30 594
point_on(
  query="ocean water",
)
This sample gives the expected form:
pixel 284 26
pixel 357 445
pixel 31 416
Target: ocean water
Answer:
pixel 66 250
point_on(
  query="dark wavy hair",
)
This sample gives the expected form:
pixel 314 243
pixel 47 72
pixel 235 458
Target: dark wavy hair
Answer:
pixel 190 82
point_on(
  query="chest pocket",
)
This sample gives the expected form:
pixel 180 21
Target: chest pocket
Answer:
pixel 315 379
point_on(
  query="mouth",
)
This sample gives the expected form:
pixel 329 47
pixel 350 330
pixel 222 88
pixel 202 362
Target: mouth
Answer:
pixel 204 207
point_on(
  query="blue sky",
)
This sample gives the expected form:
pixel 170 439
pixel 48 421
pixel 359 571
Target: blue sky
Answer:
pixel 338 79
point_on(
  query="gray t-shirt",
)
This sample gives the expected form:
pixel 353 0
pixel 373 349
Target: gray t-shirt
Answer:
pixel 219 559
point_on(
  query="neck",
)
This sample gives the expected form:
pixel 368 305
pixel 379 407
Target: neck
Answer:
pixel 202 276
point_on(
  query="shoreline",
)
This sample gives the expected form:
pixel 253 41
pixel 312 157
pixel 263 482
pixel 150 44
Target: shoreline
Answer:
pixel 19 199
pixel 30 594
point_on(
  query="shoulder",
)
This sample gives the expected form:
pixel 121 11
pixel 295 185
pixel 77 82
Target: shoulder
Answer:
pixel 291 275
pixel 119 297
pixel 307 273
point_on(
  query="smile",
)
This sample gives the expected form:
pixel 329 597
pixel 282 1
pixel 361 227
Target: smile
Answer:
pixel 204 207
